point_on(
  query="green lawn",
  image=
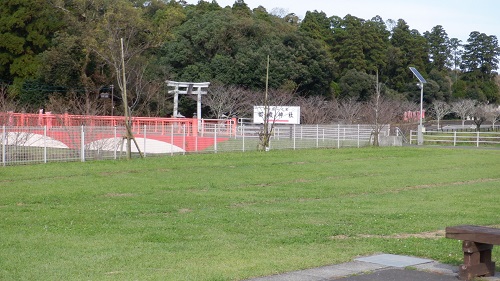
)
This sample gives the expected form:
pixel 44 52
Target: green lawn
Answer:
pixel 231 216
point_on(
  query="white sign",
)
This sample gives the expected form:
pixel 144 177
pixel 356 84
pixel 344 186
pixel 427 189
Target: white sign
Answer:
pixel 277 114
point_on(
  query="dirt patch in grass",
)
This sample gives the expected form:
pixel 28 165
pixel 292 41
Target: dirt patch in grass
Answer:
pixel 425 235
pixel 302 181
pixel 119 195
pixel 164 170
pixel 242 204
pixel 121 172
pixel 184 210
pixel 423 186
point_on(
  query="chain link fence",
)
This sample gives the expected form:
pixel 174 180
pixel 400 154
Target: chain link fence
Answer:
pixel 41 144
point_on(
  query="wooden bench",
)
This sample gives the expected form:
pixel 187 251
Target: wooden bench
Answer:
pixel 477 244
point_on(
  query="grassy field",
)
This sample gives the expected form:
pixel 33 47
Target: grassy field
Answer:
pixel 231 216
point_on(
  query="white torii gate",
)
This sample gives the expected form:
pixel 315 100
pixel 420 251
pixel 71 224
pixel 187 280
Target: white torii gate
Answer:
pixel 188 88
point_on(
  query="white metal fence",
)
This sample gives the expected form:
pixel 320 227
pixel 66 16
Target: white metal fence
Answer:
pixel 477 139
pixel 25 145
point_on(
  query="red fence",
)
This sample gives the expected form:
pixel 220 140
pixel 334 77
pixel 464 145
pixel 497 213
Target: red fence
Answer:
pixel 191 126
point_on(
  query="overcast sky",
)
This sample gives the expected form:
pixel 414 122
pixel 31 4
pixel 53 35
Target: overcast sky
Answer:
pixel 458 17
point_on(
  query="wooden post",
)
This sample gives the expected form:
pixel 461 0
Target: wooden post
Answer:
pixel 477 260
pixel 477 246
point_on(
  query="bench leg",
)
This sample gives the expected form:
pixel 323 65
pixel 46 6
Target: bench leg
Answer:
pixel 477 261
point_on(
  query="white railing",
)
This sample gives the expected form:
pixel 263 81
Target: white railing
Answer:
pixel 477 139
pixel 400 133
pixel 25 145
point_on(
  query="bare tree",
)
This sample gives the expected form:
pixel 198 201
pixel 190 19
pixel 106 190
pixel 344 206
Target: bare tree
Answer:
pixel 148 93
pixel 479 115
pixel 464 108
pixel 273 102
pixel 381 111
pixel 350 110
pixel 72 103
pixel 151 100
pixel 440 109
pixel 279 12
pixel 492 114
pixel 228 101
pixel 316 110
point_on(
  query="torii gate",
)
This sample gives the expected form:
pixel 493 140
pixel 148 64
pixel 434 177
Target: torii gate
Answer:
pixel 188 88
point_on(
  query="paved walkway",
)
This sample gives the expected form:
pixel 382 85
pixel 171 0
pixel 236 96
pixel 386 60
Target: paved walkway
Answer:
pixel 383 267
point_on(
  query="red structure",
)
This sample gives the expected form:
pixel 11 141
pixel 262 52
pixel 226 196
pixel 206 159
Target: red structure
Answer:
pixel 412 116
pixel 188 134
pixel 192 126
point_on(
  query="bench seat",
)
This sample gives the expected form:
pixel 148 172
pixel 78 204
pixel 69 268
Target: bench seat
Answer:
pixel 477 245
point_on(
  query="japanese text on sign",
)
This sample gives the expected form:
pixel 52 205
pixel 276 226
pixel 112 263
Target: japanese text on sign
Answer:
pixel 277 114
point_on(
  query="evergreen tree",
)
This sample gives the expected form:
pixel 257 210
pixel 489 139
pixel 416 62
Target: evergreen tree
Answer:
pixel 317 26
pixel 376 43
pixel 409 48
pixel 26 30
pixel 439 50
pixel 348 46
pixel 455 58
pixel 481 55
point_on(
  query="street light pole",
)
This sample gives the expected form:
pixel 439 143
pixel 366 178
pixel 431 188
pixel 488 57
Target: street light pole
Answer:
pixel 420 126
pixel 420 137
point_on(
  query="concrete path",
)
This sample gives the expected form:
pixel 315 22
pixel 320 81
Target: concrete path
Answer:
pixel 383 267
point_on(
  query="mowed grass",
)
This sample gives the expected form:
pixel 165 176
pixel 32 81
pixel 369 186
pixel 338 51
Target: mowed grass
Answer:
pixel 231 216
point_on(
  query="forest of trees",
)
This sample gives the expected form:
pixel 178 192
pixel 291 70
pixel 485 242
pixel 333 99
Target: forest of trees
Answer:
pixel 60 55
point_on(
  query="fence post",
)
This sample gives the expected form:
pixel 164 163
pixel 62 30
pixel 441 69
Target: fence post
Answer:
pixel 243 136
pixel 183 139
pixel 116 146
pixel 338 136
pixel 4 138
pixel 317 135
pixel 477 139
pixel 145 138
pixel 455 138
pixel 358 135
pixel 172 140
pixel 215 138
pixel 44 144
pixel 294 136
pixel 196 143
pixel 82 144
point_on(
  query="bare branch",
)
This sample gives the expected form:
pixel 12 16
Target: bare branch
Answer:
pixel 317 110
pixel 440 109
pixel 464 108
pixel 350 110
